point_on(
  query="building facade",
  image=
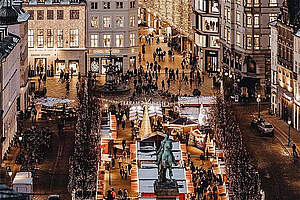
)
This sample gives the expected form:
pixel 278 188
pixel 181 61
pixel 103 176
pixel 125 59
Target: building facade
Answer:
pixel 245 44
pixel 56 36
pixel 112 28
pixel 207 34
pixel 285 35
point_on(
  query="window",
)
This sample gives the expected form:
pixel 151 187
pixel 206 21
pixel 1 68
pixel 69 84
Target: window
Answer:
pixel 30 38
pixel 214 41
pixel 256 20
pixel 106 5
pixel 273 17
pixel 119 40
pixel 249 41
pixel 94 22
pixel 60 39
pixel 256 3
pixel 131 21
pixel 210 24
pixel 50 38
pixel 40 38
pixel 106 21
pixel 94 40
pixel 40 15
pixel 200 40
pixel 238 17
pixel 60 14
pixel 132 4
pixel 50 14
pixel 228 15
pixel 132 39
pixel 248 2
pixel 256 41
pixel 228 35
pixel 106 40
pixel 74 38
pixel 215 7
pixel 238 38
pixel 31 13
pixel 94 5
pixel 201 5
pixel 238 2
pixel 119 4
pixel 249 20
pixel 273 3
pixel 74 14
pixel 119 21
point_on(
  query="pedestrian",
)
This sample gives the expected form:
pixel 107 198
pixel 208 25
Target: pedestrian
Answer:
pixel 113 163
pixel 121 172
pixel 115 152
pixel 125 194
pixel 120 193
pixel 113 193
pixel 77 87
pixel 295 153
pixel 123 124
pixel 39 80
pixel 125 174
pixel 129 168
pixel 119 161
pixel 163 85
pixel 124 144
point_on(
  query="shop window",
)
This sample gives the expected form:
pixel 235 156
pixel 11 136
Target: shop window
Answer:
pixel 119 4
pixel 210 24
pixel 40 15
pixel 273 3
pixel 50 14
pixel 132 39
pixel 50 38
pixel 256 41
pixel 106 22
pixel 31 13
pixel 40 38
pixel 200 40
pixel 60 14
pixel 74 14
pixel 119 40
pixel 214 41
pixel 119 21
pixel 272 17
pixel 95 64
pixel 74 38
pixel 94 40
pixel 60 41
pixel 106 5
pixel 30 38
pixel 106 40
pixel 94 22
pixel 94 5
pixel 215 7
pixel 131 21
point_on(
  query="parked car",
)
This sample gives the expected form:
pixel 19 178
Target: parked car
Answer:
pixel 53 197
pixel 265 128
pixel 255 122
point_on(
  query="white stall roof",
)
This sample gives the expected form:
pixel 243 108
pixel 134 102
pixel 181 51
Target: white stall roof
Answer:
pixel 151 156
pixel 146 186
pixel 23 178
pixel 178 174
pixel 197 100
pixel 148 173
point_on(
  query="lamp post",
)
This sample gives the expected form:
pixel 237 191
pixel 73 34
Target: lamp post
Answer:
pixel 289 135
pixel 258 104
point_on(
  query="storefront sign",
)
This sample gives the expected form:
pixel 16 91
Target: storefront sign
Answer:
pixel 40 54
pixel 105 51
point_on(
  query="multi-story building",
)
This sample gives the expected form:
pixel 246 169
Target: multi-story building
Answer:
pixel 274 51
pixel 245 43
pixel 12 18
pixel 56 36
pixel 296 106
pixel 207 34
pixel 285 33
pixel 111 28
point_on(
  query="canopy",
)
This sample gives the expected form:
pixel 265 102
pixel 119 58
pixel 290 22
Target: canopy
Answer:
pixel 51 101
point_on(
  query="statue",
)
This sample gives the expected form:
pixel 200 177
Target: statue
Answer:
pixel 165 159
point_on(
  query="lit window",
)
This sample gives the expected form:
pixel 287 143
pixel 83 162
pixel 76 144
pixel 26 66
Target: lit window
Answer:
pixel 249 20
pixel 200 40
pixel 238 2
pixel 106 5
pixel 228 15
pixel 256 3
pixel 119 21
pixel 30 38
pixel 132 21
pixel 215 7
pixel 238 38
pixel 119 40
pixel 256 41
pixel 132 4
pixel 256 20
pixel 60 41
pixel 94 22
pixel 94 40
pixel 273 17
pixel 40 38
pixel 132 39
pixel 106 40
pixel 238 17
pixel 201 5
pixel 273 3
pixel 248 2
pixel 106 22
pixel 50 38
pixel 228 36
pixel 74 38
pixel 119 4
pixel 249 41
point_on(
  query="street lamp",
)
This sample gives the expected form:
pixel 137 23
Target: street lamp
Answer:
pixel 258 103
pixel 289 136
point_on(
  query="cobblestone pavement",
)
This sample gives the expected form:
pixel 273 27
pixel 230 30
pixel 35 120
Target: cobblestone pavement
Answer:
pixel 280 175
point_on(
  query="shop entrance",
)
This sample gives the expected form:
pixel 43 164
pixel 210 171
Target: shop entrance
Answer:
pixel 40 65
pixel 132 61
pixel 116 61
pixel 211 61
pixel 60 66
pixel 74 66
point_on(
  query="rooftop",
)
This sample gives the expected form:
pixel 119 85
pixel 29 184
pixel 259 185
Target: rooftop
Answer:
pixel 53 2
pixel 8 42
pixel 11 12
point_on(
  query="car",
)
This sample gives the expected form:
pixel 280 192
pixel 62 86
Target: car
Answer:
pixel 265 128
pixel 255 122
pixel 54 197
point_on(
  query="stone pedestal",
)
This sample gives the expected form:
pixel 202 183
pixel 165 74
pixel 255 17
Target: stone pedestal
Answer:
pixel 167 190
